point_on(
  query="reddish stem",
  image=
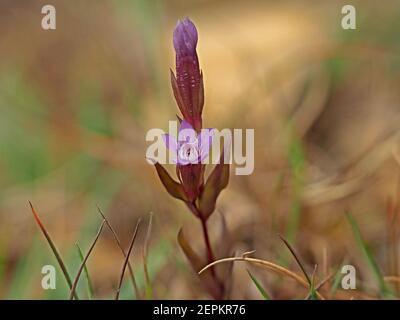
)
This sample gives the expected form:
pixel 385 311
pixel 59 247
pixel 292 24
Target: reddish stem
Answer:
pixel 210 254
pixel 211 258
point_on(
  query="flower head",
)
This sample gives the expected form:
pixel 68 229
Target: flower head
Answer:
pixel 190 147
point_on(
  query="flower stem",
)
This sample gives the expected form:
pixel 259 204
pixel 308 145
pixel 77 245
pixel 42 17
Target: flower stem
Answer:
pixel 211 257
pixel 210 254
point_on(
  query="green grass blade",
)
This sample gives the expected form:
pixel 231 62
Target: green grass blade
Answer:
pixel 76 280
pixel 312 295
pixel 85 270
pixel 259 287
pixel 336 282
pixel 368 256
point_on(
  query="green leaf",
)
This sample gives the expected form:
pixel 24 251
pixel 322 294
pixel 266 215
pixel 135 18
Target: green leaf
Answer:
pixel 216 182
pixel 174 188
pixel 259 287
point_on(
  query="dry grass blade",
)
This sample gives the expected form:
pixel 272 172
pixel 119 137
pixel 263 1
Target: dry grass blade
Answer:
pixel 323 281
pixel 53 248
pixel 116 238
pixel 149 292
pixel 296 258
pixel 268 265
pixel 392 279
pixel 72 292
pixel 121 278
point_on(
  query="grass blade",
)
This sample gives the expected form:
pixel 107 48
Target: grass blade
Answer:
pixel 53 248
pixel 336 280
pixel 121 278
pixel 268 266
pixel 89 282
pixel 259 286
pixel 296 258
pixel 149 290
pixel 72 292
pixel 312 295
pixel 368 255
pixel 116 238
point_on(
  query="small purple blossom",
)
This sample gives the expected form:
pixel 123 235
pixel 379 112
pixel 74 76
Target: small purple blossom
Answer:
pixel 189 147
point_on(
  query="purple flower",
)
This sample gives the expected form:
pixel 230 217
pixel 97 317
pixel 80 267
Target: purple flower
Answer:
pixel 188 82
pixel 190 147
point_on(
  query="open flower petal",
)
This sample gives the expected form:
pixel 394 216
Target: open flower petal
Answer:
pixel 186 133
pixel 170 142
pixel 184 125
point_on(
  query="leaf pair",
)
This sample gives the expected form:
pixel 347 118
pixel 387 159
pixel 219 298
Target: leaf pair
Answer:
pixel 216 182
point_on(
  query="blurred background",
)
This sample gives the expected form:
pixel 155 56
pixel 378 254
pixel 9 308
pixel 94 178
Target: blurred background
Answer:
pixel 76 103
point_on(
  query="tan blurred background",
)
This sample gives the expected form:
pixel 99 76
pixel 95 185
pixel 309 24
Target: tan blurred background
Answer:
pixel 76 103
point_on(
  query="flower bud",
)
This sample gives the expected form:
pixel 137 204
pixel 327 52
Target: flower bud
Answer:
pixel 188 82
